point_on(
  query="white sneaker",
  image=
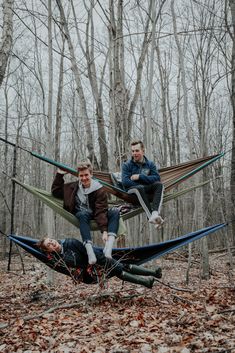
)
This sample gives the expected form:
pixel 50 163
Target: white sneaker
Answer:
pixel 159 222
pixel 153 217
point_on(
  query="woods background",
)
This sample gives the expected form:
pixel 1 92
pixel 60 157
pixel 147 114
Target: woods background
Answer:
pixel 83 78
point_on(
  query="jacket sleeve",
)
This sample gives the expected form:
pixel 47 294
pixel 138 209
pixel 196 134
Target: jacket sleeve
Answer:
pixel 101 210
pixel 126 176
pixel 152 177
pixel 74 253
pixel 57 188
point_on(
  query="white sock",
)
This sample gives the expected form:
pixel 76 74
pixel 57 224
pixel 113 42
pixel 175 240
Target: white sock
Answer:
pixel 105 247
pixel 90 253
pixel 109 246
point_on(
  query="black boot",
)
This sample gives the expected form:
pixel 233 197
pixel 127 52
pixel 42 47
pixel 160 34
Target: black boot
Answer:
pixel 139 270
pixel 147 282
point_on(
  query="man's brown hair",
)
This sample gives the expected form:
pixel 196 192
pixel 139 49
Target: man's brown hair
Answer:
pixel 40 244
pixel 136 142
pixel 84 166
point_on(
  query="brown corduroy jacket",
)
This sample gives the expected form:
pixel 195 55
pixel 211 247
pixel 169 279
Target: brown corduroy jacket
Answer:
pixel 97 200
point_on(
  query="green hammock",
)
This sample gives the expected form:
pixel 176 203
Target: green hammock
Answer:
pixel 57 204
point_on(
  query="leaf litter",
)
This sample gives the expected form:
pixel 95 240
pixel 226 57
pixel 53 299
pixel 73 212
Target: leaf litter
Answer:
pixel 66 318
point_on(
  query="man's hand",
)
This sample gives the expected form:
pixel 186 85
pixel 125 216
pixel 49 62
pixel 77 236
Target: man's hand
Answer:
pixel 135 177
pixel 60 171
pixel 105 236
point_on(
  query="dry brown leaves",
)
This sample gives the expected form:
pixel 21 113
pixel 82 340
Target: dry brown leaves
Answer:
pixel 35 317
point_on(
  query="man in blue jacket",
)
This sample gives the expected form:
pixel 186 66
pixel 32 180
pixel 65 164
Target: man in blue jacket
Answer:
pixel 140 177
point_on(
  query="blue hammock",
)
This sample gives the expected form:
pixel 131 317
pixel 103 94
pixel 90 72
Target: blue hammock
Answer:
pixel 131 255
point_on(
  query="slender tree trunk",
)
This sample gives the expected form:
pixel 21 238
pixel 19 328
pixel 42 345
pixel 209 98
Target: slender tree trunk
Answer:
pixel 232 180
pixel 48 123
pixel 189 130
pixel 7 36
pixel 163 96
pixel 90 144
pixel 92 74
pixel 59 105
pixel 49 219
pixel 5 183
pixel 149 139
pixel 119 92
pixel 189 134
pixel 139 72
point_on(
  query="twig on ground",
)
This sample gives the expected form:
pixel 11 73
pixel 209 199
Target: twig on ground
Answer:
pixel 226 311
pixel 175 288
pixel 182 299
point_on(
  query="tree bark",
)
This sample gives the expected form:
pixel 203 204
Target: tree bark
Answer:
pixel 189 133
pixel 49 219
pixel 232 179
pixel 7 37
pixel 82 100
pixel 96 91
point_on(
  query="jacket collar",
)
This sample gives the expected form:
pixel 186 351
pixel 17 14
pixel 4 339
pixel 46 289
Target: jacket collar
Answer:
pixel 145 160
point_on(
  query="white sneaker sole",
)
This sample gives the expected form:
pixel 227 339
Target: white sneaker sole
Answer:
pixel 159 223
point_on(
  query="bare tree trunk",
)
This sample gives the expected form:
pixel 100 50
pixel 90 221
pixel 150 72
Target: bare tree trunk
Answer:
pixel 119 93
pixel 7 37
pixel 48 122
pixel 97 92
pixel 90 144
pixel 183 83
pixel 189 131
pixel 95 82
pixel 232 180
pixel 59 104
pixel 139 72
pixel 149 139
pixel 164 83
pixel 49 219
pixel 6 192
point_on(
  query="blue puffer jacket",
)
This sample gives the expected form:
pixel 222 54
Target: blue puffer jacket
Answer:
pixel 147 171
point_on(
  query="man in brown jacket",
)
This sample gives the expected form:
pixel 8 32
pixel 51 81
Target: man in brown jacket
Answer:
pixel 87 200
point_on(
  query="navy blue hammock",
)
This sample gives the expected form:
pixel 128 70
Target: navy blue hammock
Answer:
pixel 130 255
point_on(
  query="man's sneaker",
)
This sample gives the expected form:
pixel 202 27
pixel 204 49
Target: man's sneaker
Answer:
pixel 159 222
pixel 153 217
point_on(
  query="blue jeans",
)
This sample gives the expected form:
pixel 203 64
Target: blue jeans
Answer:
pixel 85 216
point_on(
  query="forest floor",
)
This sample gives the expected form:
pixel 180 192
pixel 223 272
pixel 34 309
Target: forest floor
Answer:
pixel 170 317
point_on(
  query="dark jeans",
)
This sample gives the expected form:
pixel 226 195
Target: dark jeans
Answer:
pixel 85 216
pixel 146 193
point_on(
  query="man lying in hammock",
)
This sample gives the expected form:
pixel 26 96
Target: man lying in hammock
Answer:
pixel 71 253
pixel 87 200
